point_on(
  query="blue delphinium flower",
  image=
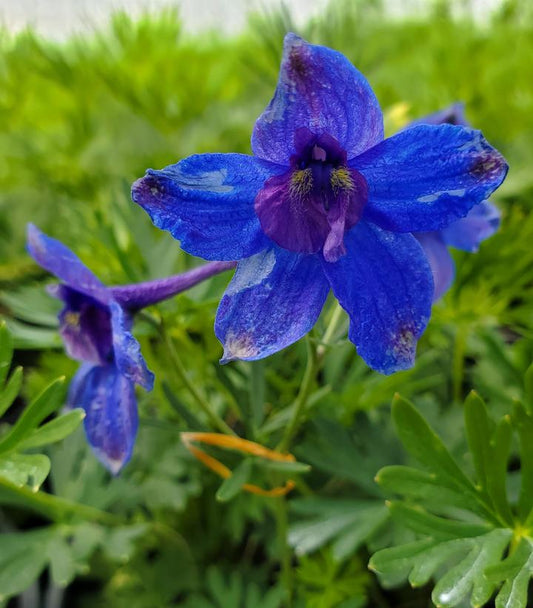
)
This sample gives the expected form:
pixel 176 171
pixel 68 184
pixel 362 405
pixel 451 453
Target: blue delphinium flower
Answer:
pixel 481 222
pixel 95 325
pixel 323 202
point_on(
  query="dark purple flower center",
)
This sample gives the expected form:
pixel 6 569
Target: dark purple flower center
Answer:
pixel 310 207
pixel 85 326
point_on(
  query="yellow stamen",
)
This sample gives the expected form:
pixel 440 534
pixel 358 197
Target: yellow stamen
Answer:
pixel 301 183
pixel 341 180
pixel 72 318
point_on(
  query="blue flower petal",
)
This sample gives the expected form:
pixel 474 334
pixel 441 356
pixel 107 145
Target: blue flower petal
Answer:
pixel 426 177
pixel 440 261
pixel 76 384
pixel 128 357
pixel 318 88
pixel 111 420
pixel 467 233
pixel 53 256
pixel 384 283
pixel 452 115
pixel 207 202
pixel 273 300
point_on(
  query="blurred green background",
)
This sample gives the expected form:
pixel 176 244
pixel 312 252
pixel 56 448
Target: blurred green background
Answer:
pixel 81 119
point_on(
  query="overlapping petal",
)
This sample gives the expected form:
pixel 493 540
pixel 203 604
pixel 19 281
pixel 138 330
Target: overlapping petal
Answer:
pixel 127 351
pixel 384 283
pixel 207 202
pixel 55 257
pixel 111 419
pixel 273 300
pixel 318 88
pixel 440 261
pixel 84 325
pixel 454 114
pixel 426 177
pixel 482 222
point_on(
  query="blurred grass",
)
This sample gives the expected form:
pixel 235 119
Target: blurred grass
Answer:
pixel 82 119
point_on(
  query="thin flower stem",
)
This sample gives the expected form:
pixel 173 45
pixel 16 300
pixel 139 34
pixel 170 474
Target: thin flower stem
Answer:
pixel 212 416
pixel 336 317
pixel 301 399
pixel 54 507
pixel 285 553
pixel 314 361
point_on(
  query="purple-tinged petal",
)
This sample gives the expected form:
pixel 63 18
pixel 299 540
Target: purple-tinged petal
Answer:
pixel 128 356
pixel 385 285
pixel 85 326
pixel 310 207
pixel 426 177
pixel 76 384
pixel 318 88
pixel 207 202
pixel 452 115
pixel 440 261
pixel 482 221
pixel 139 295
pixel 291 211
pixel 53 256
pixel 111 419
pixel 273 300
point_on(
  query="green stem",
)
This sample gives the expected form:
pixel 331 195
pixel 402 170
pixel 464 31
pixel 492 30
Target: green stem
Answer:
pixel 53 507
pixel 282 528
pixel 314 361
pixel 212 416
pixel 335 318
pixel 301 399
pixel 458 364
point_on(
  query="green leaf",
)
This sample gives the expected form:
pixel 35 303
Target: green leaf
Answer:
pixel 528 389
pixel 6 353
pixel 421 442
pixel 120 542
pixel 478 429
pixel 345 523
pixel 426 488
pixel 523 423
pixel 22 559
pixel 231 486
pixel 55 430
pixel 468 574
pixel 11 390
pixel 496 480
pixel 25 469
pixel 463 554
pixel 489 445
pixel 516 571
pixel 394 564
pixel 41 407
pixel 62 563
pixel 431 560
pixel 439 528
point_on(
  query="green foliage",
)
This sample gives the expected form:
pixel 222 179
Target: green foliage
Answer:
pixel 84 118
pixel 326 583
pixel 468 535
pixel 16 466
